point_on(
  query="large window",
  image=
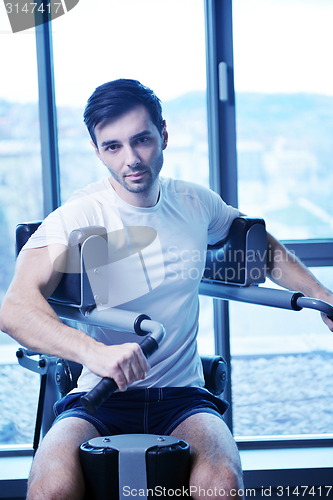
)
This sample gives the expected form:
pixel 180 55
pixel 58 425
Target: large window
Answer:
pixel 151 41
pixel 20 201
pixel 91 45
pixel 284 106
pixel 281 370
pixel 284 124
pixel 282 361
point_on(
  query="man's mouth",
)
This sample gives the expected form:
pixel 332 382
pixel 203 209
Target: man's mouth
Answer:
pixel 136 175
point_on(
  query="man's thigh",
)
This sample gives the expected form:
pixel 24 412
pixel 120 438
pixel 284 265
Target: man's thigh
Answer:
pixel 215 457
pixel 57 459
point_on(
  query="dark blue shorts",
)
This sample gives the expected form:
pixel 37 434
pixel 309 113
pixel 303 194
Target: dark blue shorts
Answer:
pixel 143 411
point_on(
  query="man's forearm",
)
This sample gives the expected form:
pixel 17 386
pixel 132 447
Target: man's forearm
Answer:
pixel 286 270
pixel 33 323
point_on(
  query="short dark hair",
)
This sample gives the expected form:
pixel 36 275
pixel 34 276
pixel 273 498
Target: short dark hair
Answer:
pixel 113 99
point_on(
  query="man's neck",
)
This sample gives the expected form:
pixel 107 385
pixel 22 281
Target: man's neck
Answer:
pixel 142 199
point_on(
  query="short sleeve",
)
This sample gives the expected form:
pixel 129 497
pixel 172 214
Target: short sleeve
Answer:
pixel 222 216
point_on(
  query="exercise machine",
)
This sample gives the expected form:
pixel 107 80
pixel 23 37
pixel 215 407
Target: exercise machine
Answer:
pixel 234 270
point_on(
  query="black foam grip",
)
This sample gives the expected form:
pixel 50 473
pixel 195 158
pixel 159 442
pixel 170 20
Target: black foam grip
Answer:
pixel 148 346
pixel 94 398
pixel 107 386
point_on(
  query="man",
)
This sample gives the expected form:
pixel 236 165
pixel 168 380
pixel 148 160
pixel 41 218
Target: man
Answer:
pixel 159 219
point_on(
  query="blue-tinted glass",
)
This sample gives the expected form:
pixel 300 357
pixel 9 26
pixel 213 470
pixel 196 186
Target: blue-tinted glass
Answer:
pixel 21 200
pixel 282 376
pixel 162 50
pixel 284 114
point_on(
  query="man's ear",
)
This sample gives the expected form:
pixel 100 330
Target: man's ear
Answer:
pixel 96 151
pixel 165 135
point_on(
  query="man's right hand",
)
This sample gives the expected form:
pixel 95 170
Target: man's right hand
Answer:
pixel 123 363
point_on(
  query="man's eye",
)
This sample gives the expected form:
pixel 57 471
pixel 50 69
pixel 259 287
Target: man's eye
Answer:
pixel 113 147
pixel 143 140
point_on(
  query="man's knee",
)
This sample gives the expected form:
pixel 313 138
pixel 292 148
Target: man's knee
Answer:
pixel 39 491
pixel 216 467
pixel 56 485
pixel 218 482
pixel 231 482
pixel 56 470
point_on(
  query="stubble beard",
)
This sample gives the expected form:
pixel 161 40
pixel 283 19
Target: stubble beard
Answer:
pixel 151 177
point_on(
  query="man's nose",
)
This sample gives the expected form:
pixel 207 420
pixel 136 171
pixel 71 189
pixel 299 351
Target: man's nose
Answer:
pixel 132 157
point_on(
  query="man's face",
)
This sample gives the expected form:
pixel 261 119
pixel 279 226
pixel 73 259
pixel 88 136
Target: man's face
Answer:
pixel 132 149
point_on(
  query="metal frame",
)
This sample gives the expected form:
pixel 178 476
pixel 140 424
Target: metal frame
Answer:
pixel 47 118
pixel 222 142
pixel 314 253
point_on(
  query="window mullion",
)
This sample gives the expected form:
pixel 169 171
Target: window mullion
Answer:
pixel 222 144
pixel 47 118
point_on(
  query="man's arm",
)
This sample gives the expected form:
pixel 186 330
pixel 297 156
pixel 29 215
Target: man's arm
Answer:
pixel 286 270
pixel 26 316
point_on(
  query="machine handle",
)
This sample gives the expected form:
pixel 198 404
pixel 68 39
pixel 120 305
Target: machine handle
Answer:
pixel 40 366
pixel 107 386
pixel 318 305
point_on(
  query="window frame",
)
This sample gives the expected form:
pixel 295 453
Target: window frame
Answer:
pixel 222 164
pixel 222 147
pixel 48 118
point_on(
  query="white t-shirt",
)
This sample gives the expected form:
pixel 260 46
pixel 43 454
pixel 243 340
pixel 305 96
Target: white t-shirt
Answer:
pixel 157 258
